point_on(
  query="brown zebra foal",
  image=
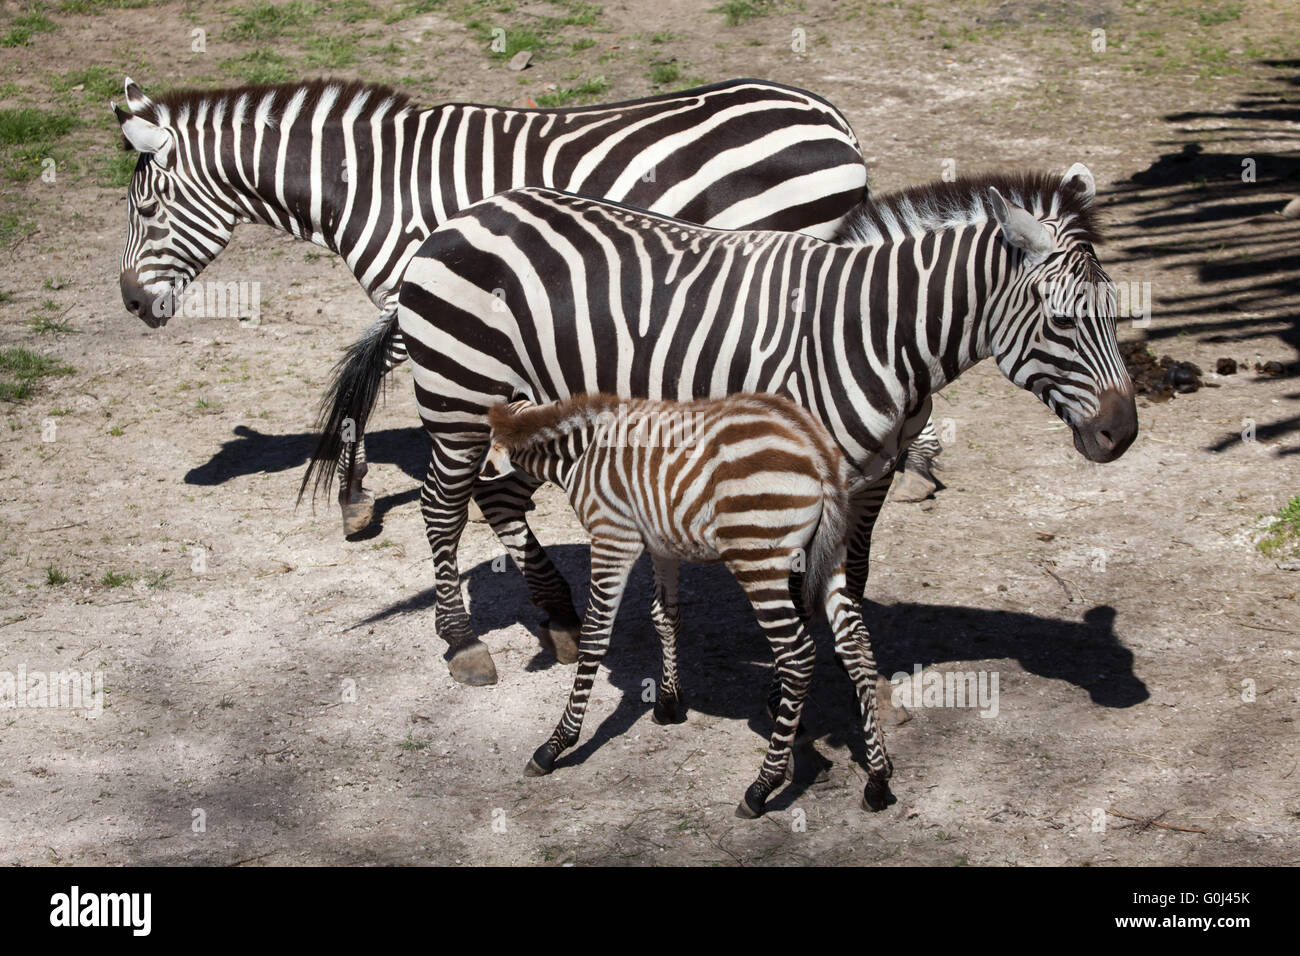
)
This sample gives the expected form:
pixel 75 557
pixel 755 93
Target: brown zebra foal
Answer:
pixel 753 481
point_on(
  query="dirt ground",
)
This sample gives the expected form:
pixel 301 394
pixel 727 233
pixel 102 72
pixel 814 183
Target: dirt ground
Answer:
pixel 276 695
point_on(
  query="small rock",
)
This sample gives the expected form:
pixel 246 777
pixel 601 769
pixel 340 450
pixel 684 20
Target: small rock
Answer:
pixel 1292 209
pixel 1226 366
pixel 1045 536
pixel 520 60
pixel 1290 564
pixel 1272 369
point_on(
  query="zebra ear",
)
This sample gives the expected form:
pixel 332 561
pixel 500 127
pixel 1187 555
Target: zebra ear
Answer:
pixel 497 464
pixel 136 101
pixel 1079 177
pixel 1021 229
pixel 146 137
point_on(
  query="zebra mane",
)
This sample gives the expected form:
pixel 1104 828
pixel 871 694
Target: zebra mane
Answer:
pixel 917 210
pixel 537 424
pixel 268 100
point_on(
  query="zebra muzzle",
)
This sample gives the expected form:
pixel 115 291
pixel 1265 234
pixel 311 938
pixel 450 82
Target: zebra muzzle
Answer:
pixel 1108 434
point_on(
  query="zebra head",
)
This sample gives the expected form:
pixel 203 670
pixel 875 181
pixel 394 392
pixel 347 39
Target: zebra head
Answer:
pixel 1053 332
pixel 176 224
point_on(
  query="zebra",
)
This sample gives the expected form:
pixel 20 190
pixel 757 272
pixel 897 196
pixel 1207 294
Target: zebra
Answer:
pixel 600 297
pixel 366 173
pixel 752 481
pixel 916 480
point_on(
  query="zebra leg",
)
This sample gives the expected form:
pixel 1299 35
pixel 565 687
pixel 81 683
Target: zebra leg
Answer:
pixel 669 706
pixel 866 505
pixel 444 502
pixel 766 581
pixel 916 480
pixel 853 649
pixel 611 563
pixel 502 502
pixel 358 504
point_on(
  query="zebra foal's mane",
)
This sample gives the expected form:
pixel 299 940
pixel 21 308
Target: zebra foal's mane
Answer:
pixel 537 424
pixel 917 210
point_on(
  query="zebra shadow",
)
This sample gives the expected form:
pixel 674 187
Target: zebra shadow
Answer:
pixel 251 452
pixel 726 664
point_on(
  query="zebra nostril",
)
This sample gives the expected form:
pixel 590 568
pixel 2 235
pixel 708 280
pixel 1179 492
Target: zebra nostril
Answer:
pixel 133 306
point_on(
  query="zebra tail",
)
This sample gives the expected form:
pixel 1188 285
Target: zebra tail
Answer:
pixel 354 388
pixel 827 552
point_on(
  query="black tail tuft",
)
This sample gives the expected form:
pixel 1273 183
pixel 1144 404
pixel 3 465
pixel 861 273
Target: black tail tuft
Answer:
pixel 357 379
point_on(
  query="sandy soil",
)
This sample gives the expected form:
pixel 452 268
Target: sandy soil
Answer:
pixel 285 688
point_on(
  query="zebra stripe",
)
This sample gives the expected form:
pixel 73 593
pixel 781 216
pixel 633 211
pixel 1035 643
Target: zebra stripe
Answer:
pixel 753 481
pixel 861 332
pixel 363 172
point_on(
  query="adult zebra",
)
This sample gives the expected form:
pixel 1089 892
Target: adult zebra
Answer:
pixel 593 296
pixel 362 171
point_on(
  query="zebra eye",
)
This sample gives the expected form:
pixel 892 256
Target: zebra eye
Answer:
pixel 147 209
pixel 1064 319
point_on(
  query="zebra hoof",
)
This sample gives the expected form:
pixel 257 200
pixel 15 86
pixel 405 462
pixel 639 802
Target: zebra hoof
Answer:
pixel 564 642
pixel 473 665
pixel 909 486
pixel 358 513
pixel 876 796
pixel 541 763
pixel 753 804
pixel 669 710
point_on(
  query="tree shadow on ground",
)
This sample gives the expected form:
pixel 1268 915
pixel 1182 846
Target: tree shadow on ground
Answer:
pixel 1212 203
pixel 726 665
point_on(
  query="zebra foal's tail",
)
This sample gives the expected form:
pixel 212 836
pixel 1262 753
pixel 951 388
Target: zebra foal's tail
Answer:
pixel 357 379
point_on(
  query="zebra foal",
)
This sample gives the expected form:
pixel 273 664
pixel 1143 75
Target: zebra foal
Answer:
pixel 753 481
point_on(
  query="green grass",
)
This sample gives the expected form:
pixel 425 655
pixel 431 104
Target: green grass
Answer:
pixel 332 51
pixel 270 21
pixel 98 80
pixel 28 126
pixel 11 224
pixel 1282 536
pixel 1211 15
pixel 661 73
pixel 576 14
pixel 413 9
pixel 27 137
pixel 587 91
pixel 410 743
pixel 21 369
pixel 44 323
pixel 586 43
pixel 99 6
pixel 54 577
pixel 517 39
pixel 116 579
pixel 742 11
pixel 260 66
pixel 116 168
pixel 23 28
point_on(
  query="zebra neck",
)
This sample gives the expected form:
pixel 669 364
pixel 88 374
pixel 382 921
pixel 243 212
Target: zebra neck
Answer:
pixel 335 186
pixel 927 304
